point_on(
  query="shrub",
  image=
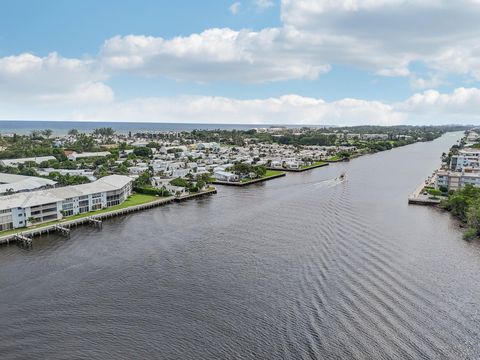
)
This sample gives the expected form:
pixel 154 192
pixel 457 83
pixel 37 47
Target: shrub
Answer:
pixel 470 234
pixel 151 191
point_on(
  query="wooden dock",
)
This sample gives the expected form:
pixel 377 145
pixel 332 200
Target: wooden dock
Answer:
pixel 23 240
pixel 25 236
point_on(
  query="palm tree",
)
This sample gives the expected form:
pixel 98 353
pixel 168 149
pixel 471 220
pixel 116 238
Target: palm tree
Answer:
pixel 47 133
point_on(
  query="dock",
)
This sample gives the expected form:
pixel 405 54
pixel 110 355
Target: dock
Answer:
pixel 95 222
pixel 417 198
pixel 62 230
pixel 24 236
pixel 23 240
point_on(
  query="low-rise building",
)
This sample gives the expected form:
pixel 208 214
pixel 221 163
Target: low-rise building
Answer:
pixel 16 162
pixel 226 176
pixel 12 183
pixel 454 180
pixel 75 156
pixel 23 209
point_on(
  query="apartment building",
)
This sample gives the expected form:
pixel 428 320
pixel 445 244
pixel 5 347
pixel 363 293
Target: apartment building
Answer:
pixel 23 209
pixel 454 180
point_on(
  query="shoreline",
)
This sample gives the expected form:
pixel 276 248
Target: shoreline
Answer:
pixel 68 224
pixel 229 183
pixel 325 163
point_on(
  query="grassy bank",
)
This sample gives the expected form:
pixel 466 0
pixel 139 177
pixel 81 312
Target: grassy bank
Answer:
pixel 133 200
pixel 268 174
pixel 314 165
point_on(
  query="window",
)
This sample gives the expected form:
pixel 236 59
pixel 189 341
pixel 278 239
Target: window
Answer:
pixel 97 206
pixel 82 210
pixel 6 226
pixel 67 212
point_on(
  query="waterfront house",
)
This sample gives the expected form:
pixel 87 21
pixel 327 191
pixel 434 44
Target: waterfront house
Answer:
pixel 27 208
pixel 226 176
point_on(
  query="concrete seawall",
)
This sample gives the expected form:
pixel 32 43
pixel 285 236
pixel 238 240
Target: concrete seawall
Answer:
pixel 229 183
pixel 301 170
pixel 67 224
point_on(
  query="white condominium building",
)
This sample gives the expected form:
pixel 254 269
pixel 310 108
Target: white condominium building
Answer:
pixel 466 158
pixel 454 180
pixel 23 209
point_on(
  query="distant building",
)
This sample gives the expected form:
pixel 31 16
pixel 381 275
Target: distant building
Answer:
pixel 466 158
pixel 454 180
pixel 16 162
pixel 75 156
pixel 208 146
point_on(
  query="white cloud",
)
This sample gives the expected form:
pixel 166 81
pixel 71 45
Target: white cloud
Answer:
pixel 264 4
pixel 428 107
pixel 288 109
pixel 25 78
pixel 213 55
pixel 432 81
pixel 381 36
pixel 234 8
pixel 464 101
pixel 386 36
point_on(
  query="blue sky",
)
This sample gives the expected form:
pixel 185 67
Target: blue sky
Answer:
pixel 309 61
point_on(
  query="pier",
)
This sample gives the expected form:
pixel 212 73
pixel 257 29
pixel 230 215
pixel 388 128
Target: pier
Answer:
pixel 62 230
pixel 63 227
pixel 95 222
pixel 23 240
pixel 417 198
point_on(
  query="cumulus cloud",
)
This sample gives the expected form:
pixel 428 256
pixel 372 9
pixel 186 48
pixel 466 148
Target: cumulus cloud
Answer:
pixel 215 54
pixel 386 36
pixel 27 77
pixel 288 109
pixel 428 107
pixel 465 101
pixel 381 36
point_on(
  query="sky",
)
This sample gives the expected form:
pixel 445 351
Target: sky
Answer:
pixel 330 62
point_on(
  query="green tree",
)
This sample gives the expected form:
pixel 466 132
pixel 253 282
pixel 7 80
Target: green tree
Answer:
pixel 142 151
pixel 47 133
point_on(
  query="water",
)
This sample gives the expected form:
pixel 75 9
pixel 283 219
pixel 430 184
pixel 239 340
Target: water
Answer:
pixel 302 267
pixel 62 127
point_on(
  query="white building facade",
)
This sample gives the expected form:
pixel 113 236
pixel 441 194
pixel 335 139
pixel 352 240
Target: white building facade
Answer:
pixel 24 209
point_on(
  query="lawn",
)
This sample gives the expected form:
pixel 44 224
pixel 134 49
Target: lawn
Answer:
pixel 135 199
pixel 268 174
pixel 272 173
pixel 315 164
